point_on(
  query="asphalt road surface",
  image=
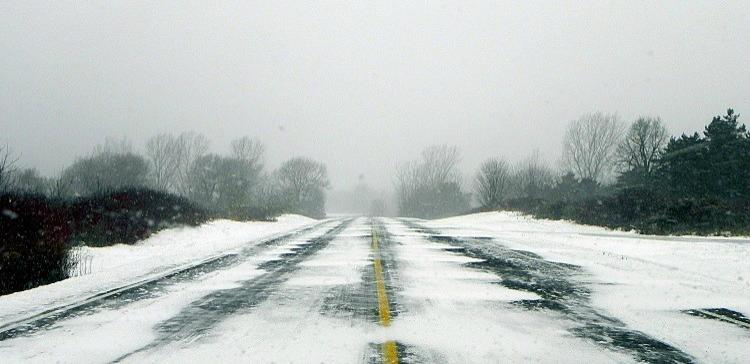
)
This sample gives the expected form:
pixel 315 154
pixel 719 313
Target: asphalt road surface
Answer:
pixel 367 290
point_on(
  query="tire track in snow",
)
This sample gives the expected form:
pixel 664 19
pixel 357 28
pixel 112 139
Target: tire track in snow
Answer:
pixel 197 319
pixel 722 314
pixel 560 292
pixel 150 287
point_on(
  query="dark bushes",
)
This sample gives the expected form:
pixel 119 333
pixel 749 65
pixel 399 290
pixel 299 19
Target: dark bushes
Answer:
pixel 130 215
pixel 647 212
pixel 34 235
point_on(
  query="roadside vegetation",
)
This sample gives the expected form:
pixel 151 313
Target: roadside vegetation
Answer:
pixel 116 195
pixel 634 177
pixel 431 187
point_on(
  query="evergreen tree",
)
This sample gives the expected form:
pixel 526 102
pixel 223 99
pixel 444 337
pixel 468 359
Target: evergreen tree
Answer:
pixel 682 168
pixel 728 157
pixel 715 165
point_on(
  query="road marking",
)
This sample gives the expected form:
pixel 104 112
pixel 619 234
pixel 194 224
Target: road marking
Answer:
pixel 389 351
pixel 390 354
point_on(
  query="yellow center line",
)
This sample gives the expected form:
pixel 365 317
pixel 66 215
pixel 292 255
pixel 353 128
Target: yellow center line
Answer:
pixel 390 354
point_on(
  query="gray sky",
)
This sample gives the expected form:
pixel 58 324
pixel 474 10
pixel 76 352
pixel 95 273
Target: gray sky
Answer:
pixel 360 87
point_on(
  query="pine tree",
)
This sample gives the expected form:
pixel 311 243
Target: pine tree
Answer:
pixel 716 164
pixel 682 168
pixel 728 157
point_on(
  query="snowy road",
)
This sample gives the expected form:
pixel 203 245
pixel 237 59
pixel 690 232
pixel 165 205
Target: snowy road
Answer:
pixel 485 288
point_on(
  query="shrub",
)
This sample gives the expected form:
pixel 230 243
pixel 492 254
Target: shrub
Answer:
pixel 646 211
pixel 130 215
pixel 33 242
pixel 36 233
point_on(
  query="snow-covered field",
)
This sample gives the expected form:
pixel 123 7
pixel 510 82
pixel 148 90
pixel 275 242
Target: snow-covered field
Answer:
pixel 645 281
pixel 109 267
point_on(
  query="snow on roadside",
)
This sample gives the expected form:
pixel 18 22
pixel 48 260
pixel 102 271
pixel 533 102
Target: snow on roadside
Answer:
pixel 645 281
pixel 186 242
pixel 459 315
pixel 123 264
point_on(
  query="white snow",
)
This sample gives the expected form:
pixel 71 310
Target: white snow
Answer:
pixel 121 264
pixel 457 314
pixel 105 335
pixel 452 314
pixel 448 312
pixel 645 281
pixel 288 327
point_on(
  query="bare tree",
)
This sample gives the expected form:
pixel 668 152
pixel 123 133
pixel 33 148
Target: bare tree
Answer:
pixel 60 187
pixel 248 150
pixel 204 180
pixel 642 145
pixel 440 164
pixel 590 143
pixel 114 146
pixel 29 181
pixel 164 152
pixel 532 177
pixel 492 182
pixel 431 186
pixel 304 181
pixel 192 147
pixel 7 168
pixel 408 183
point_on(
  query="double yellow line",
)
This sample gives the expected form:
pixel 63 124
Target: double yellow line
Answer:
pixel 389 351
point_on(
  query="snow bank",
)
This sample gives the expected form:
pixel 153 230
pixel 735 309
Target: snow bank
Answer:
pixel 186 244
pixel 119 265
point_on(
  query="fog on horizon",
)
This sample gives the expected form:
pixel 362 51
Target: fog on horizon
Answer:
pixel 360 87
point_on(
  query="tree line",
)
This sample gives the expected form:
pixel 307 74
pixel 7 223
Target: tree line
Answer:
pixel 433 185
pixel 115 195
pixel 632 176
pixel 235 185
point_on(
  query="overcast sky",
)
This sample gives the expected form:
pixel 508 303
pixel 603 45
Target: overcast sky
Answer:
pixel 360 87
